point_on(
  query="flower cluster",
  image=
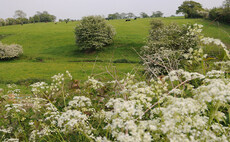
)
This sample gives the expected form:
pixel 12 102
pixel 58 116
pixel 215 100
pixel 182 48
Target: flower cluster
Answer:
pixel 139 111
pixel 10 51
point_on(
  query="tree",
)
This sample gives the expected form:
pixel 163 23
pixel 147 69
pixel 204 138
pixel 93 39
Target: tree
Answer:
pixel 36 18
pixel 44 17
pixel 144 15
pixel 20 17
pixel 93 33
pixel 114 16
pixel 157 14
pixel 19 14
pixel 123 15
pixel 2 22
pixel 190 9
pixel 31 20
pixel 66 20
pixel 226 4
pixel 10 21
pixel 130 15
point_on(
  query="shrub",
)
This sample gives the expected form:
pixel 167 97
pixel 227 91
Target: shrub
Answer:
pixel 172 36
pixel 10 51
pixel 93 33
pixel 172 47
pixel 220 14
pixel 155 23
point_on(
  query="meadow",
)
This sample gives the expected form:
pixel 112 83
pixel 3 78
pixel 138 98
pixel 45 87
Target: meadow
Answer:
pixel 50 48
pixel 118 102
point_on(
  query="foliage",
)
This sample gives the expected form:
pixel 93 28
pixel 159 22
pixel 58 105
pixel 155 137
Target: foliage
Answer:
pixel 157 14
pixel 10 21
pixel 181 106
pixel 120 16
pixel 144 15
pixel 2 22
pixel 43 17
pixel 220 14
pixel 155 23
pixel 59 52
pixel 190 9
pixel 172 47
pixel 10 51
pixel 172 36
pixel 93 33
pixel 19 14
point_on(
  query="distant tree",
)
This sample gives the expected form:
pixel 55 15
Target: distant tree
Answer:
pixel 2 22
pixel 130 15
pixel 10 21
pixel 190 9
pixel 226 4
pixel 20 17
pixel 114 16
pixel 36 18
pixel 44 17
pixel 19 14
pixel 60 20
pixel 123 15
pixel 31 20
pixel 66 20
pixel 157 14
pixel 144 15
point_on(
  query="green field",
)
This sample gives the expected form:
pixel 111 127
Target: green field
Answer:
pixel 50 49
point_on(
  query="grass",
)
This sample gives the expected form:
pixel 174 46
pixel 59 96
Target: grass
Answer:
pixel 50 48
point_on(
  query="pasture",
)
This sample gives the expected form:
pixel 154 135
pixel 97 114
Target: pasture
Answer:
pixel 50 49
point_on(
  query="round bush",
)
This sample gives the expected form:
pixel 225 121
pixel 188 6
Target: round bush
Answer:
pixel 10 51
pixel 93 33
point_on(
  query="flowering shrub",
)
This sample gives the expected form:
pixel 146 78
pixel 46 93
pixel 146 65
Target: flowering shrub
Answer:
pixel 172 47
pixel 172 108
pixel 93 33
pixel 10 51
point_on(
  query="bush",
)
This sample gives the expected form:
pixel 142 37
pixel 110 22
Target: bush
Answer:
pixel 171 36
pixel 10 51
pixel 93 33
pixel 220 14
pixel 155 23
pixel 172 47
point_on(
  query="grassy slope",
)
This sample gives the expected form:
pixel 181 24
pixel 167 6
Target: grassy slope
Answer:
pixel 55 45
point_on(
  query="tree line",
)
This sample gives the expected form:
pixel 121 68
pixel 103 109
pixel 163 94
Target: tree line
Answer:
pixel 130 15
pixel 192 9
pixel 20 18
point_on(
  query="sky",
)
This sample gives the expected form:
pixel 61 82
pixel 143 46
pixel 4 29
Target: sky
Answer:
pixel 75 9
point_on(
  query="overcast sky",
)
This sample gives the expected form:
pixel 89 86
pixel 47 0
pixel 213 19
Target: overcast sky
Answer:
pixel 75 9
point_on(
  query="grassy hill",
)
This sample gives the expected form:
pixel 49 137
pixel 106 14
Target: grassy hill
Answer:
pixel 50 48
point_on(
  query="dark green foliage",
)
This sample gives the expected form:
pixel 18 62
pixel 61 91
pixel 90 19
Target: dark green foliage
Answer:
pixel 93 33
pixel 220 14
pixel 157 14
pixel 155 23
pixel 123 61
pixel 144 15
pixel 42 17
